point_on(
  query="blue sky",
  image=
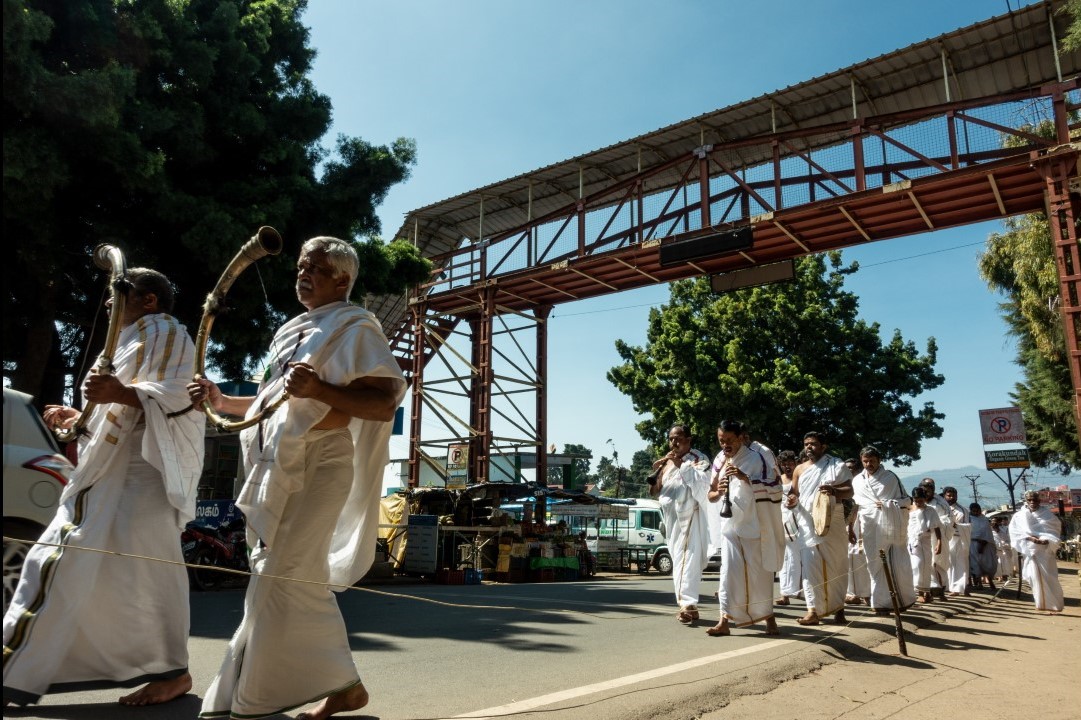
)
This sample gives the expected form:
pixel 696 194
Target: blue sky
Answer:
pixel 491 89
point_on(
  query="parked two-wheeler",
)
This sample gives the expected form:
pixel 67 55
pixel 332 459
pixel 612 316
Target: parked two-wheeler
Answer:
pixel 206 547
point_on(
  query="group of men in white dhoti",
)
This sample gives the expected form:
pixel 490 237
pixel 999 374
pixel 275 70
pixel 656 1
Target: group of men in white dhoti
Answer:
pixel 771 516
pixel 313 469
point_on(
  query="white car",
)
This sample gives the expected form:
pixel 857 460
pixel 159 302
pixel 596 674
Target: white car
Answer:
pixel 35 473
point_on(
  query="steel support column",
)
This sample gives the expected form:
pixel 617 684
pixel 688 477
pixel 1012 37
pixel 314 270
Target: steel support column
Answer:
pixel 480 404
pixel 1064 213
pixel 542 314
pixel 417 394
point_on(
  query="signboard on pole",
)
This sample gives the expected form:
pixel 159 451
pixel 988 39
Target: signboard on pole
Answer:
pixel 998 459
pixel 457 467
pixel 1002 425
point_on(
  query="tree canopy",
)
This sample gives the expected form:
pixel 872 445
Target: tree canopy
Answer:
pixel 1020 263
pixel 173 130
pixel 786 359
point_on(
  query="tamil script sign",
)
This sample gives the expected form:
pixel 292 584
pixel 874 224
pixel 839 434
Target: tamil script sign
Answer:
pixel 998 459
pixel 1002 425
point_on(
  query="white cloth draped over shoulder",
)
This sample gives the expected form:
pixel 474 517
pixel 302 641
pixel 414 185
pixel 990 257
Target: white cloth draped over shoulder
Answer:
pixel 342 342
pixel 1039 565
pixel 79 619
pixel 790 576
pixel 940 570
pixel 312 499
pixel 825 558
pixel 959 549
pixel 885 528
pixel 684 507
pixel 983 553
pixel 155 356
pixel 922 522
pixel 752 540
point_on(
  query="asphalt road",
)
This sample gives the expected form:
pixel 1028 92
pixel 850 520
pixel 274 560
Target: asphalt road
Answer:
pixel 603 648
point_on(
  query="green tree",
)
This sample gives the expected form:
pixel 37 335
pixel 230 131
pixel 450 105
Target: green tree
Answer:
pixel 609 476
pixel 641 467
pixel 1020 263
pixel 784 358
pixel 578 470
pixel 173 130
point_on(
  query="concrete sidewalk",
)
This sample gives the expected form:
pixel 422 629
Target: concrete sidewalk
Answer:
pixel 985 656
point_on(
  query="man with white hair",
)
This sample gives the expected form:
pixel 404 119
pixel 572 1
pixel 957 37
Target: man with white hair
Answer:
pixel 1034 533
pixel 311 495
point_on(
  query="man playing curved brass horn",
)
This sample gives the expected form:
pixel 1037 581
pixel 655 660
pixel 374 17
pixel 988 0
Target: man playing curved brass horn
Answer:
pixel 313 473
pixel 82 619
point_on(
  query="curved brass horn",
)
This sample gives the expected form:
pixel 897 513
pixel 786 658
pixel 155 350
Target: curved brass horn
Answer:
pixel 265 242
pixel 106 257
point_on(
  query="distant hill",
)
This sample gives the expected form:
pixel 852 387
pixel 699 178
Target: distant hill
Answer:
pixel 992 491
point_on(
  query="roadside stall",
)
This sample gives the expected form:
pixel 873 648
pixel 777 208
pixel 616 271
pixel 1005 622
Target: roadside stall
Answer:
pixel 606 549
pixel 489 532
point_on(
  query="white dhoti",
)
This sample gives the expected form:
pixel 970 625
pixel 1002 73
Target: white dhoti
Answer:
pixel 746 587
pixel 292 647
pixel 790 576
pixel 1007 556
pixel 958 558
pixel 899 559
pixel 84 620
pixel 688 547
pixel 859 577
pixel 1039 566
pixel 825 568
pixel 1040 571
pixel 919 551
pixel 940 570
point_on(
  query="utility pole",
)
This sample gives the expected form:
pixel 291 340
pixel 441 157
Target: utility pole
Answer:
pixel 975 494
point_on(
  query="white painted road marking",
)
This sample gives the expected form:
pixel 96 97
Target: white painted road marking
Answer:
pixel 564 695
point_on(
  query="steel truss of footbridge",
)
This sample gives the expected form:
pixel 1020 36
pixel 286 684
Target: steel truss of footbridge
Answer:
pixel 975 125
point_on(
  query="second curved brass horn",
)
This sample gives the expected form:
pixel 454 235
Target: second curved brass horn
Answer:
pixel 265 242
pixel 106 257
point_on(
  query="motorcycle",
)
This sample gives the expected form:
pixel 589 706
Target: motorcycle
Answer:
pixel 206 547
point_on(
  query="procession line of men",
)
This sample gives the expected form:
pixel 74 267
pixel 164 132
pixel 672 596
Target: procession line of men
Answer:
pixel 312 476
pixel 313 471
pixel 774 516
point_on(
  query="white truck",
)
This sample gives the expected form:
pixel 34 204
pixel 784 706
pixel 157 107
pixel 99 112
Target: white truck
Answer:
pixel 629 531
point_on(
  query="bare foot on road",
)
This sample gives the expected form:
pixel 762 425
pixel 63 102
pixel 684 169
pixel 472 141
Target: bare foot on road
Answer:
pixel 771 626
pixel 720 629
pixel 159 691
pixel 353 698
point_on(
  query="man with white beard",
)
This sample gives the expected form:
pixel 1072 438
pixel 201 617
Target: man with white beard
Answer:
pixel 1034 533
pixel 882 513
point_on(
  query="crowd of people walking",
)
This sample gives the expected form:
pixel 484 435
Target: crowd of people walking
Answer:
pixel 833 533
